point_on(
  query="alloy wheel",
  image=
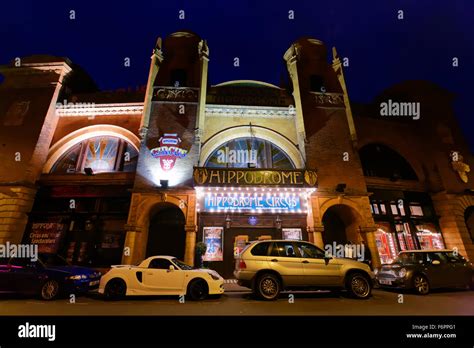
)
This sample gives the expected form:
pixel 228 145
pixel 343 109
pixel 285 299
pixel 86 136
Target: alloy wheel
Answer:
pixel 50 290
pixel 421 285
pixel 360 286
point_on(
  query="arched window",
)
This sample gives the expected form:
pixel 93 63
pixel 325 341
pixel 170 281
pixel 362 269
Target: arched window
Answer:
pixel 100 154
pixel 381 161
pixel 249 153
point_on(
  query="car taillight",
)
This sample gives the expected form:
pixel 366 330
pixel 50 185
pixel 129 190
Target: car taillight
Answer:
pixel 242 264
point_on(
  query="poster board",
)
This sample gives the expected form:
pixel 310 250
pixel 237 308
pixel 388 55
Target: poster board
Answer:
pixel 291 233
pixel 213 237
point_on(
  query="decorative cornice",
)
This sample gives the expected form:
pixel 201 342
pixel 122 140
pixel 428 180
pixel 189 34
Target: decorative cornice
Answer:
pixel 91 109
pixel 249 111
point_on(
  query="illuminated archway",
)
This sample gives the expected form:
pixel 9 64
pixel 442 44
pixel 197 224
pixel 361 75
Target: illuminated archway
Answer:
pixel 80 135
pixel 227 135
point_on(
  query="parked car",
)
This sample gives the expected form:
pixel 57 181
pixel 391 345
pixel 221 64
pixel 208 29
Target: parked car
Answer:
pixel 161 275
pixel 268 267
pixel 423 270
pixel 49 277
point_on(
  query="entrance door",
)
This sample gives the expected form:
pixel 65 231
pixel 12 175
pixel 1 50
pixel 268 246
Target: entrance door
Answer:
pixel 166 234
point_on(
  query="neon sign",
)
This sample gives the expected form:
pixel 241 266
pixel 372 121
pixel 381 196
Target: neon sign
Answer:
pixel 289 203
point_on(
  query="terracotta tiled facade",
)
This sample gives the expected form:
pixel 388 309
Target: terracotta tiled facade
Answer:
pixel 309 122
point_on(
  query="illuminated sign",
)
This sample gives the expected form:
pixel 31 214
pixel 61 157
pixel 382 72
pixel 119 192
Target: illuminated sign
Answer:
pixel 288 203
pixel 219 177
pixel 168 151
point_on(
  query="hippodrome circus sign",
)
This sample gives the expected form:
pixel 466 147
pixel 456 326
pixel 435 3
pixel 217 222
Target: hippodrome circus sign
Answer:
pixel 215 177
pixel 168 151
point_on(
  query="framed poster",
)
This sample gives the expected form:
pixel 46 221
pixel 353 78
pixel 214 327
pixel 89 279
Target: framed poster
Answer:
pixel 213 238
pixel 291 233
pixel 239 243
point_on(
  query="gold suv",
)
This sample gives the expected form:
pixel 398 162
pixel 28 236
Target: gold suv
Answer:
pixel 268 267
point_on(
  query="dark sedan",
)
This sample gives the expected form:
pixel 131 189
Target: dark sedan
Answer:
pixel 423 270
pixel 48 277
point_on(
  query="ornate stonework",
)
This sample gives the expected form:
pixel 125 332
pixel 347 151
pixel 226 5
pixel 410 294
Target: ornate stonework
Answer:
pixel 329 99
pixel 176 94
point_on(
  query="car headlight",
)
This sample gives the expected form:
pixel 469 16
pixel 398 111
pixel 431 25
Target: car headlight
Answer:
pixel 214 276
pixel 78 277
pixel 402 272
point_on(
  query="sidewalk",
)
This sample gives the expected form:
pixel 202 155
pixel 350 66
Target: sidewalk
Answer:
pixel 230 285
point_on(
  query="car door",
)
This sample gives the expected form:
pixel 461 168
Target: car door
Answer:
pixel 6 284
pixel 461 270
pixel 319 271
pixel 158 278
pixel 25 275
pixel 285 259
pixel 439 275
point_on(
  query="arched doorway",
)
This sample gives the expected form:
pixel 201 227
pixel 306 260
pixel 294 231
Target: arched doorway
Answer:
pixel 166 233
pixel 341 225
pixel 469 219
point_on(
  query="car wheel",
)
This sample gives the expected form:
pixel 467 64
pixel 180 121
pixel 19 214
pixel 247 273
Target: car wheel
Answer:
pixel 197 290
pixel 49 290
pixel 268 287
pixel 115 289
pixel 359 286
pixel 421 284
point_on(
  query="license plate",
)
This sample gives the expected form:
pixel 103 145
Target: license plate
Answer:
pixel 385 281
pixel 95 282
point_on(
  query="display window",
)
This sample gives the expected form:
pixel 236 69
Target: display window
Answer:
pixel 385 244
pixel 429 237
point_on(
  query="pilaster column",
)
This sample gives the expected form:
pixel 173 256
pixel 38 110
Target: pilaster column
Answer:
pixel 15 203
pixel 318 235
pixel 190 244
pixel 369 232
pixel 131 249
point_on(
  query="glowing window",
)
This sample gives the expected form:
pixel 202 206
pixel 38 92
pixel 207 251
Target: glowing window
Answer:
pixel 101 154
pixel 249 153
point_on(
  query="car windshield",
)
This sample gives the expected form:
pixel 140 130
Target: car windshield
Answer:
pixel 53 260
pixel 182 265
pixel 409 258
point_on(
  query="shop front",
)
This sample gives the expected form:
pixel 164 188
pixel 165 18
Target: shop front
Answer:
pixel 405 221
pixel 238 206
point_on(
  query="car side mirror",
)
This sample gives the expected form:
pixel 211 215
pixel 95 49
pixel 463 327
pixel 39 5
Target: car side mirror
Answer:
pixel 327 258
pixel 435 262
pixel 171 268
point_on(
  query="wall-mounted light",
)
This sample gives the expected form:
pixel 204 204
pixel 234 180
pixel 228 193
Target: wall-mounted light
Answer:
pixel 341 187
pixel 164 183
pixel 88 171
pixel 228 221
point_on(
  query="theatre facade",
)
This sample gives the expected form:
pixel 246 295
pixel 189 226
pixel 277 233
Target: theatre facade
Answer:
pixel 113 177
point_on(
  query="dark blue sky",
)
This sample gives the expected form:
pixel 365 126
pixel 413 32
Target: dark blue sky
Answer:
pixel 382 49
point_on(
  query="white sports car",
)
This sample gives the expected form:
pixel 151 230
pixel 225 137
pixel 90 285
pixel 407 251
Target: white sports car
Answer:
pixel 160 275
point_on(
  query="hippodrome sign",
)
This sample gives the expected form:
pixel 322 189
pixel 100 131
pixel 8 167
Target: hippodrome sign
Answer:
pixel 237 176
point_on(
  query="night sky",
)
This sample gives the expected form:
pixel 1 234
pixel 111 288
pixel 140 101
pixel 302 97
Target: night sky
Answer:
pixel 382 49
